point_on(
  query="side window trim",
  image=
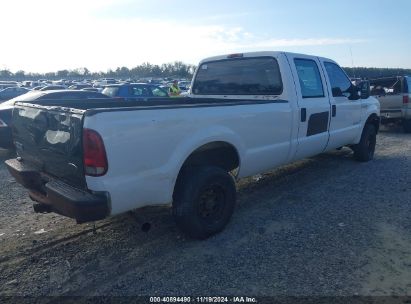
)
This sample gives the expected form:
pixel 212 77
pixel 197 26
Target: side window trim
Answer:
pixel 326 77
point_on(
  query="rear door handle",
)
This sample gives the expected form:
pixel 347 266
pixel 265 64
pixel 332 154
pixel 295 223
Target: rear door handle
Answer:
pixel 303 114
pixel 334 110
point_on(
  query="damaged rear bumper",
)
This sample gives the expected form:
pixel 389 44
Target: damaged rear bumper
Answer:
pixel 59 197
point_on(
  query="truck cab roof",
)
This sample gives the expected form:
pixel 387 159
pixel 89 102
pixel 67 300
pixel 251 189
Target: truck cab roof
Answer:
pixel 257 54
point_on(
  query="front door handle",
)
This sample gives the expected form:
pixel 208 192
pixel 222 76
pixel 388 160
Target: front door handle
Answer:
pixel 334 110
pixel 303 114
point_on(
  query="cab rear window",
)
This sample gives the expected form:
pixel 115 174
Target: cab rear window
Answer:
pixel 110 91
pixel 245 76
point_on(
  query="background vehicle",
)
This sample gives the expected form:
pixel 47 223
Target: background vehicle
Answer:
pixel 103 82
pixel 248 113
pixel 184 85
pixel 6 108
pixel 91 89
pixel 30 84
pixel 134 91
pixel 11 92
pixel 7 84
pixel 394 95
pixel 79 86
pixel 52 88
pixel 37 88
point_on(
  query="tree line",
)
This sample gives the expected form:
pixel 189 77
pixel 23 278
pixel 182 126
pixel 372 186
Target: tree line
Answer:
pixel 371 73
pixel 177 70
pixel 173 70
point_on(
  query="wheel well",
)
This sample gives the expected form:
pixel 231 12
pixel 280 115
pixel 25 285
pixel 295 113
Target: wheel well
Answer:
pixel 374 120
pixel 218 154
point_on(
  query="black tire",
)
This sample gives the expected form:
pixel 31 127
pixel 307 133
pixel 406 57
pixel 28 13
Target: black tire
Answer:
pixel 204 200
pixel 406 124
pixel 364 150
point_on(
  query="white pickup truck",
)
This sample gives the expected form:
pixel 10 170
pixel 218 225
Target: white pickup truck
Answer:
pixel 246 113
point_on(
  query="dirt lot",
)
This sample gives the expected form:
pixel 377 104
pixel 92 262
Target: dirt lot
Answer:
pixel 324 226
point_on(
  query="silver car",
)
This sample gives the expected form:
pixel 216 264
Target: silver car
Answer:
pixel 12 92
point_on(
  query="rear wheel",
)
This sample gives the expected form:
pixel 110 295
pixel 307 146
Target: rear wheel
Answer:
pixel 407 125
pixel 364 150
pixel 204 201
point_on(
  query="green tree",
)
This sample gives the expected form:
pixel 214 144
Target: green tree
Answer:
pixel 62 74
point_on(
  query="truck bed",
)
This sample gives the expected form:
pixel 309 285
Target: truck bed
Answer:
pixel 118 103
pixel 48 134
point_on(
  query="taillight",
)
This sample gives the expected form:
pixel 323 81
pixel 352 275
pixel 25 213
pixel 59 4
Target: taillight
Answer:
pixel 94 153
pixel 405 99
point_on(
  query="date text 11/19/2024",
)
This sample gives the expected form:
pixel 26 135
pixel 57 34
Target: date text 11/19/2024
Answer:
pixel 203 300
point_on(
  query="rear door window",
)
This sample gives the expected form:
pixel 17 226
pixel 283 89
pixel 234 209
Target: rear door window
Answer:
pixel 110 91
pixel 245 76
pixel 139 91
pixel 158 92
pixel 408 84
pixel 309 78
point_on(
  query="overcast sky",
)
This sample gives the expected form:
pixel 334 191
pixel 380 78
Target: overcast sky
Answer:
pixel 50 35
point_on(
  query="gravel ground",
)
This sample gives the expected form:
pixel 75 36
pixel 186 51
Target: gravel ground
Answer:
pixel 325 226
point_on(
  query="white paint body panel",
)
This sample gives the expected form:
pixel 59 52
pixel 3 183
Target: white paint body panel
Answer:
pixel 147 148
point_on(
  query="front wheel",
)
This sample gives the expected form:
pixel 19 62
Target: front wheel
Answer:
pixel 364 150
pixel 204 201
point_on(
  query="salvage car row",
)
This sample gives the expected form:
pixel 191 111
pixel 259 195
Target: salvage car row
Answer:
pixel 12 89
pixel 122 92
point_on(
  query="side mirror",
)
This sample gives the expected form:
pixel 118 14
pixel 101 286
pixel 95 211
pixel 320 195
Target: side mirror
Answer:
pixel 365 90
pixel 354 92
pixel 337 92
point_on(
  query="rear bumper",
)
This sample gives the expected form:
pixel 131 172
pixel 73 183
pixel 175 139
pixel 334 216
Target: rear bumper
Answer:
pixel 60 197
pixel 391 115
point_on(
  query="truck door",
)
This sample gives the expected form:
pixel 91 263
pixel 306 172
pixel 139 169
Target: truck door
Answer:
pixel 345 110
pixel 313 103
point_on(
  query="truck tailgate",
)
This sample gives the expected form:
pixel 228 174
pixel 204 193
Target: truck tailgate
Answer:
pixel 49 138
